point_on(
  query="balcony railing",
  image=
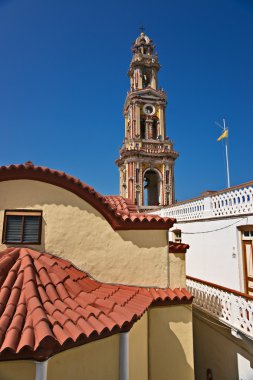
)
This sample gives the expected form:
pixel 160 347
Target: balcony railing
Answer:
pixel 156 147
pixel 233 308
pixel 149 146
pixel 236 200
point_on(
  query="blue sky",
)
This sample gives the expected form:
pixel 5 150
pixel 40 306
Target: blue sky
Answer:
pixel 63 82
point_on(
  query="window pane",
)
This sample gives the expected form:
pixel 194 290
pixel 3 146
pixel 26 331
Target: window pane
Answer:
pixel 31 229
pixel 13 232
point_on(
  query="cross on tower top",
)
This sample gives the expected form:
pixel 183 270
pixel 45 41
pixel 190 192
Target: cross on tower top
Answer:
pixel 142 29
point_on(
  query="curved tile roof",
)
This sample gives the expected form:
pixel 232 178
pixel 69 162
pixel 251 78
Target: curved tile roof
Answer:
pixel 122 205
pixel 121 213
pixel 47 305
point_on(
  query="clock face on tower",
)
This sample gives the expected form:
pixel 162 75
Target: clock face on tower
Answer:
pixel 149 109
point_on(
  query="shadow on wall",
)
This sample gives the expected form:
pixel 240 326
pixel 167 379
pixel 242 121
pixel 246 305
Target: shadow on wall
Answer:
pixel 170 345
pixel 74 230
pixel 214 347
pixel 145 239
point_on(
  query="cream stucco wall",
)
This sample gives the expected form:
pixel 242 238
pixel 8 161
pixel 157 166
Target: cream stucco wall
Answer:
pixel 74 230
pixel 98 360
pixel 138 350
pixel 170 343
pixel 17 370
pixel 177 277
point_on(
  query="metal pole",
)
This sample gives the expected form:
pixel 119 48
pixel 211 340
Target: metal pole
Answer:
pixel 124 356
pixel 226 149
pixel 41 370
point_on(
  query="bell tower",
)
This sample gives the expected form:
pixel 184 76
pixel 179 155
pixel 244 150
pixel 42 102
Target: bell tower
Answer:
pixel 147 158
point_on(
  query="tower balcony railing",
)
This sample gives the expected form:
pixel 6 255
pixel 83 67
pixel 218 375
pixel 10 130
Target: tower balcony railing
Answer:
pixel 237 200
pixel 148 146
pixel 156 147
pixel 235 309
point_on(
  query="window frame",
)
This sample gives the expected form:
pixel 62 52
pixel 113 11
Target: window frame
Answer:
pixel 23 213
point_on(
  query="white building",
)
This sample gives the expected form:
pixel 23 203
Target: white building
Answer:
pixel 219 264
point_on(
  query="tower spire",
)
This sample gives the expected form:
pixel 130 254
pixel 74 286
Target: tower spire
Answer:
pixel 147 157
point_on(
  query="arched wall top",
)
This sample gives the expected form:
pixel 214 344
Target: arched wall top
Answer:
pixel 121 213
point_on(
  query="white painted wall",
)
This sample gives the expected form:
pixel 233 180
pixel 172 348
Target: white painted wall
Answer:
pixel 215 249
pixel 245 370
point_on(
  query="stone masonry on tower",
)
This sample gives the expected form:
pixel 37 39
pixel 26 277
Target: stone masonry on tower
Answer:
pixel 147 157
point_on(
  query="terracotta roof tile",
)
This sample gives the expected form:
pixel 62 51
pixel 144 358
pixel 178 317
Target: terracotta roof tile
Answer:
pixel 178 247
pixel 46 308
pixel 120 212
pixel 26 340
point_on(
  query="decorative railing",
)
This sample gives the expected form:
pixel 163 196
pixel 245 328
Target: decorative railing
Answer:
pixel 148 146
pixel 195 209
pixel 155 147
pixel 233 308
pixel 236 200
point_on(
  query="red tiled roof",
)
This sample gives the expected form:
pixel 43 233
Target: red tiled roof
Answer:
pixel 128 210
pixel 47 305
pixel 120 204
pixel 121 213
pixel 178 247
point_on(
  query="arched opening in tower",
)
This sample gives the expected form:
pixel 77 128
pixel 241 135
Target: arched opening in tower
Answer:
pixel 146 78
pixel 151 188
pixel 154 129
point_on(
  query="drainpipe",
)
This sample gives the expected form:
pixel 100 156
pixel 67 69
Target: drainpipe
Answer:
pixel 123 356
pixel 41 370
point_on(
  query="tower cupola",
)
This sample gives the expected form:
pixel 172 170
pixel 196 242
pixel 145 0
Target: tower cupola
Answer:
pixel 144 65
pixel 143 45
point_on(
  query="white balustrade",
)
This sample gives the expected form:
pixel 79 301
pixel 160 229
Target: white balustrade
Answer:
pixel 185 211
pixel 234 310
pixel 233 201
pixel 238 201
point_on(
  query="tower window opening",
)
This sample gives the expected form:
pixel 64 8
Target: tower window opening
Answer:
pixel 154 129
pixel 151 188
pixel 146 79
pixel 143 129
pixel 137 175
pixel 167 176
